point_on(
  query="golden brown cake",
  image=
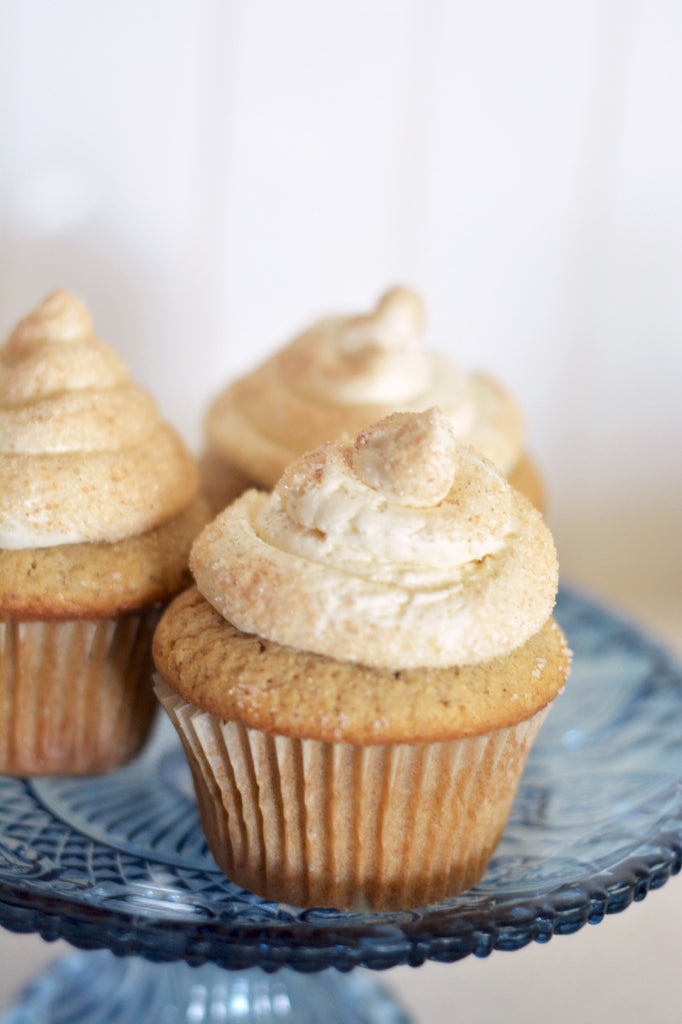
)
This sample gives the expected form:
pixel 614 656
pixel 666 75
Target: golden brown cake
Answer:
pixel 98 509
pixel 361 668
pixel 339 376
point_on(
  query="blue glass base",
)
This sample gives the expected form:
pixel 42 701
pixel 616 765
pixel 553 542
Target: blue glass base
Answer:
pixel 99 988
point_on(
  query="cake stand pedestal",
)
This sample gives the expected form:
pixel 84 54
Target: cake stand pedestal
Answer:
pixel 99 988
pixel 118 867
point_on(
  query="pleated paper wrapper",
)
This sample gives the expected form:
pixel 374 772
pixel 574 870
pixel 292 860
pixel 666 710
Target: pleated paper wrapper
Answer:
pixel 76 696
pixel 355 827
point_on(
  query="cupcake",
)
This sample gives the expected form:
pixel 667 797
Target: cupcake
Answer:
pixel 98 509
pixel 361 667
pixel 339 376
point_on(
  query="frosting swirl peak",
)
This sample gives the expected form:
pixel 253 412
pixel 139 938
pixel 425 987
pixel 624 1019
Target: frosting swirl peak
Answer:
pixel 374 357
pixel 410 457
pixel 60 317
pixel 84 455
pixel 403 549
pixel 345 372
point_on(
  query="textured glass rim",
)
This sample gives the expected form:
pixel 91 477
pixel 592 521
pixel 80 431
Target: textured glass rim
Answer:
pixel 445 933
pixel 318 939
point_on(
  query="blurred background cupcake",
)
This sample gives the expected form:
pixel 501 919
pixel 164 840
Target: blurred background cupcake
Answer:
pixel 337 377
pixel 98 508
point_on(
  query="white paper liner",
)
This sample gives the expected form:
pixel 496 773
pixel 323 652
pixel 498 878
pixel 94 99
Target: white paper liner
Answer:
pixel 354 827
pixel 75 696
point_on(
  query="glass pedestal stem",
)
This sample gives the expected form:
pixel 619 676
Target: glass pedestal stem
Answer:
pixel 99 988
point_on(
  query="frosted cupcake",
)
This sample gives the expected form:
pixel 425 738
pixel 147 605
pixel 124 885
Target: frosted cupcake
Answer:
pixel 98 509
pixel 361 668
pixel 339 376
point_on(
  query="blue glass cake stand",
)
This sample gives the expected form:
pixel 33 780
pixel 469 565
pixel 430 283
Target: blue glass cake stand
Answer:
pixel 118 865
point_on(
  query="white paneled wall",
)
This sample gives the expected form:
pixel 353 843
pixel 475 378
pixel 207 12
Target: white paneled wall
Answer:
pixel 211 176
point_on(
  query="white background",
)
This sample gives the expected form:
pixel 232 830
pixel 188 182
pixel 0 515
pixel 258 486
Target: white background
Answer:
pixel 211 176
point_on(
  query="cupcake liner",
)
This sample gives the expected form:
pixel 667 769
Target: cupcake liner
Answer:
pixel 75 696
pixel 356 827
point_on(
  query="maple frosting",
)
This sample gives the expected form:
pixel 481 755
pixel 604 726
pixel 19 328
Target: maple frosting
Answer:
pixel 403 549
pixel 84 455
pixel 345 372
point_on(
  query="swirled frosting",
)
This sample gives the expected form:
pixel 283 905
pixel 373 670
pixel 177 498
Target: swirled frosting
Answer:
pixel 346 372
pixel 84 455
pixel 402 549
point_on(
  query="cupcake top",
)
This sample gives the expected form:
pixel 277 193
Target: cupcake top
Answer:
pixel 346 372
pixel 84 455
pixel 403 549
